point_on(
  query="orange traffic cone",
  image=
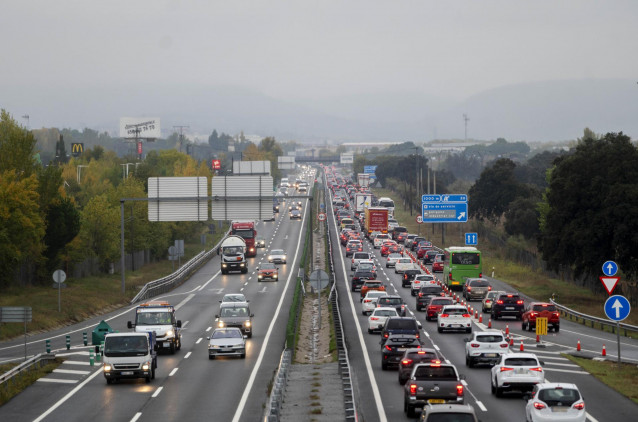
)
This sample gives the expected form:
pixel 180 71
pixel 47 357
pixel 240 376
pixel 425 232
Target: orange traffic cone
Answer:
pixel 604 351
pixel 489 323
pixel 507 330
pixel 538 338
pixel 475 314
pixel 578 346
pixel 522 346
pixel 481 318
pixel 511 341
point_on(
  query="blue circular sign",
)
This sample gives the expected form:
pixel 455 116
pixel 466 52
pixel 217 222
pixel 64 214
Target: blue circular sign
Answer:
pixel 617 308
pixel 610 268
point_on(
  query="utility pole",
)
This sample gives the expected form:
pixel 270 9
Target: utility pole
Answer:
pixel 466 119
pixel 26 117
pixel 181 135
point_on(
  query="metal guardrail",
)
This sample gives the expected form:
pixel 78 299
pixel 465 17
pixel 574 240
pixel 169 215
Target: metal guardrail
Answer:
pixel 165 284
pixel 594 320
pixel 39 360
pixel 342 350
pixel 273 409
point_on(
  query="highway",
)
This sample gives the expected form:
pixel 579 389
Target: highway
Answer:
pixel 188 386
pixel 380 396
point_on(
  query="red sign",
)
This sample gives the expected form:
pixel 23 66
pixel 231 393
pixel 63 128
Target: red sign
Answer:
pixel 322 216
pixel 609 283
pixel 217 165
pixel 139 147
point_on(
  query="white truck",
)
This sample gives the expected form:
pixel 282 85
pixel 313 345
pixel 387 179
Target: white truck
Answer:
pixel 362 201
pixel 363 180
pixel 158 317
pixel 233 254
pixel 129 355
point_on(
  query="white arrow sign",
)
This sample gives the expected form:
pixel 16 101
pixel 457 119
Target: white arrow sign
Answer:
pixel 617 306
pixel 461 215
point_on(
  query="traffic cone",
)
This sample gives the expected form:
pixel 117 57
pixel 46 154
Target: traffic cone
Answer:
pixel 511 341
pixel 481 318
pixel 604 351
pixel 522 349
pixel 507 330
pixel 475 314
pixel 578 346
pixel 489 323
pixel 538 338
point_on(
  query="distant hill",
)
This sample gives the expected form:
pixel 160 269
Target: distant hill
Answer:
pixel 539 111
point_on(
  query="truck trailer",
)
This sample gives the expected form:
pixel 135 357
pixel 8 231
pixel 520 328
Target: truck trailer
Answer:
pixel 376 220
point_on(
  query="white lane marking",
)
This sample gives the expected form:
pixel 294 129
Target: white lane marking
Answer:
pixel 366 358
pixel 183 302
pixel 599 338
pixel 185 324
pixel 209 280
pixel 57 380
pixel 208 329
pixel 481 406
pixel 563 364
pixel 568 371
pixel 198 340
pixel 241 290
pixel 75 362
pixel 173 372
pixel 436 347
pixel 157 392
pixel 262 352
pixel 136 417
pixel 70 371
pixel 68 396
pixel 187 355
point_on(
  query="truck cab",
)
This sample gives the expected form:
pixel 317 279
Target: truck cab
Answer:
pixel 246 230
pixel 233 256
pixel 158 317
pixel 129 355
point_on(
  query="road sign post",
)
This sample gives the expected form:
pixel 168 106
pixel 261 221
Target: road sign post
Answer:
pixel 617 308
pixel 59 276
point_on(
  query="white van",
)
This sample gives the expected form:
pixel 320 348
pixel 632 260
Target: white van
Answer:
pixel 386 203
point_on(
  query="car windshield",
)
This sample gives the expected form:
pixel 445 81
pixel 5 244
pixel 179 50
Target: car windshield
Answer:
pixel 540 308
pixel 492 338
pixel 373 284
pixel 372 295
pixel 235 312
pixel 436 372
pixel 385 312
pixel 234 298
pixel 153 318
pixel 391 301
pixel 226 334
pixel 130 345
pixel 479 283
pixel 267 266
pixel 433 290
pixel 394 256
pixel 277 252
pixel 455 311
pixel 441 301
pixel 402 324
pixel 451 417
pixel 559 396
pixel 521 361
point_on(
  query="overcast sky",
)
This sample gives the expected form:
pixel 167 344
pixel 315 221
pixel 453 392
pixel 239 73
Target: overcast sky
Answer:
pixel 312 49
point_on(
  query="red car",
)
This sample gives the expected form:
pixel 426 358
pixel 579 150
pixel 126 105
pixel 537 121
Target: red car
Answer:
pixel 435 306
pixel 386 247
pixel 541 310
pixel 421 250
pixel 437 265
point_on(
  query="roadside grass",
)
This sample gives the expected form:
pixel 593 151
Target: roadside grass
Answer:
pixel 18 383
pixel 525 279
pixel 623 378
pixel 83 298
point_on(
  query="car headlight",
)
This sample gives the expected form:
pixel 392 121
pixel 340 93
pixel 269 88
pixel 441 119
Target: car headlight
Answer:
pixel 107 367
pixel 247 323
pixel 224 265
pixel 260 276
pixel 269 257
pixel 169 333
pixel 242 264
pixel 220 324
pixel 146 366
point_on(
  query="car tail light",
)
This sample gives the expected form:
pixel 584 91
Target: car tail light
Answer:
pixel 488 301
pixel 373 318
pixel 420 294
pixel 388 348
pixel 556 314
pixel 469 288
pixel 459 390
pixel 500 302
pixel 466 316
pixel 403 307
pixel 579 406
pixel 475 345
pixel 539 406
pixel 537 369
pixel 431 308
pixel 480 275
pixel 504 345
pixel 385 335
pixel 413 389
pixel 505 368
pixel 444 315
pixel 489 288
pixel 367 300
pixel 406 362
pixel 519 302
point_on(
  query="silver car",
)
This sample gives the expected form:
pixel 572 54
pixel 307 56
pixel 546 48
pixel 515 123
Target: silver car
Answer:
pixel 392 259
pixel 278 256
pixel 227 342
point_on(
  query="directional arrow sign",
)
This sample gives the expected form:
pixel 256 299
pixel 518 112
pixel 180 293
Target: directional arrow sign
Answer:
pixel 617 308
pixel 610 268
pixel 609 283
pixel 444 213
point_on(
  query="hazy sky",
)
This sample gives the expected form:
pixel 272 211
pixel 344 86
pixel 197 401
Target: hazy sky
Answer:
pixel 310 49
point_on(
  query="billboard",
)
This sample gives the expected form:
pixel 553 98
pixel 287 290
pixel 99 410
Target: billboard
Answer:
pixel 286 162
pixel 242 198
pixel 180 199
pixel 251 167
pixel 77 149
pixel 139 127
pixel 347 158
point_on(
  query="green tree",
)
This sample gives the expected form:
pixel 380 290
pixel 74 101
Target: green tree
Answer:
pixel 592 206
pixel 521 217
pixel 63 224
pixel 99 235
pixel 17 147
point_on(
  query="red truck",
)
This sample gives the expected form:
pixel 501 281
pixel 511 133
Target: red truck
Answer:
pixel 246 230
pixel 376 220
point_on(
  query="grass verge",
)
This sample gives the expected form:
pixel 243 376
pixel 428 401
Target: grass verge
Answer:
pixel 18 383
pixel 623 378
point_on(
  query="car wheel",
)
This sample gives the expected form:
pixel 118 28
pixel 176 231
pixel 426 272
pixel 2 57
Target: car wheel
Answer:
pixel 556 328
pixel 439 329
pixel 412 293
pixel 499 392
pixel 364 313
pixel 250 335
pixel 384 366
pixel 494 316
pixel 469 361
pixel 353 289
pixel 492 387
pixel 523 326
pixel 172 348
pixel 402 380
pixel 410 412
pixel 387 266
pixel 211 357
pixel 468 330
pixel 369 331
pixel 109 381
pixel 148 379
pixel 243 356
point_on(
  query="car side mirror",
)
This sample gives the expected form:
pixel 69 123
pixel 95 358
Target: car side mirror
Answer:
pixel 216 316
pixel 129 324
pixel 245 336
pixel 419 325
pixel 542 362
pixel 220 301
pixel 207 337
pixel 179 323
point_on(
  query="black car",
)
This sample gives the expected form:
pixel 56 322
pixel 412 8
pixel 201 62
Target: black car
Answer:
pixel 393 348
pixel 398 230
pixel 415 242
pixel 508 304
pixel 395 302
pixel 426 293
pixel 413 356
pixel 428 258
pixel 400 325
pixel 359 277
pixel 408 276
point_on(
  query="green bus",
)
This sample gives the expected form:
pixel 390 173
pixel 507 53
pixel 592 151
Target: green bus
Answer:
pixel 461 262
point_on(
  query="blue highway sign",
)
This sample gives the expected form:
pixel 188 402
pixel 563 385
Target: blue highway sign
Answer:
pixel 453 198
pixel 471 239
pixel 610 268
pixel 617 308
pixel 369 169
pixel 444 213
pixel 430 198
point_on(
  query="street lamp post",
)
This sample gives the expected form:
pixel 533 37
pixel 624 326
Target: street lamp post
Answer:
pixel 26 117
pixel 79 170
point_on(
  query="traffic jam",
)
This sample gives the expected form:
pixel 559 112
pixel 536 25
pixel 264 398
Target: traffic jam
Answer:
pixel 448 295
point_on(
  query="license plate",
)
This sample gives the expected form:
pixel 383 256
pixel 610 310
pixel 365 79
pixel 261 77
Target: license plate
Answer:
pixel 402 349
pixel 456 325
pixel 167 344
pixel 436 401
pixel 521 371
pixel 490 355
pixel 127 373
pixel 560 409
pixel 509 308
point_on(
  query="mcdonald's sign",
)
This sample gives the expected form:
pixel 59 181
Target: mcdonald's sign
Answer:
pixel 77 149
